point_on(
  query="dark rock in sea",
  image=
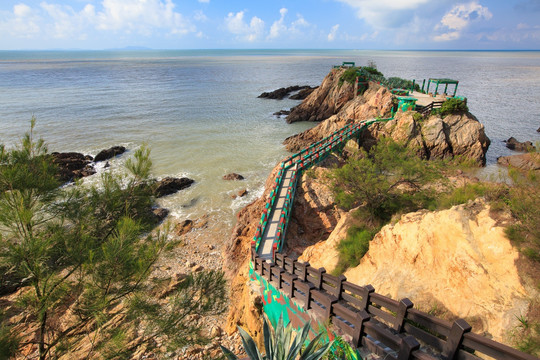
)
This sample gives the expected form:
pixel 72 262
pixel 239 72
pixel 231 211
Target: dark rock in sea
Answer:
pixel 282 92
pixel 242 193
pixel 109 153
pixel 538 130
pixel 72 165
pixel 302 94
pixel 170 185
pixel 282 113
pixel 160 214
pixel 233 176
pixel 513 144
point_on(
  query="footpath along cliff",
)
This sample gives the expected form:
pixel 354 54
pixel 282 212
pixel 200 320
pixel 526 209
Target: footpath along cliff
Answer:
pixel 455 263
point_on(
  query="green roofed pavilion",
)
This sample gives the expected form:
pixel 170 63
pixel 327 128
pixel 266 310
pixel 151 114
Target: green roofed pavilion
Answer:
pixel 444 82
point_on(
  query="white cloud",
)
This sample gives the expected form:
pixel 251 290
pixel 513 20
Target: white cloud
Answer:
pixel 52 20
pixel 204 1
pixel 142 16
pixel 279 28
pixel 385 13
pixel 333 32
pixel 458 19
pixel 249 32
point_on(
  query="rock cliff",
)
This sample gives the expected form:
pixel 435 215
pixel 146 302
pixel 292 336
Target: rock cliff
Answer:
pixel 456 261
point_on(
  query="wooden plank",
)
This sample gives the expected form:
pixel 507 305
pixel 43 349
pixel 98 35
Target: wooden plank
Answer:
pixel 383 315
pixel 388 303
pixel 437 326
pixel 425 337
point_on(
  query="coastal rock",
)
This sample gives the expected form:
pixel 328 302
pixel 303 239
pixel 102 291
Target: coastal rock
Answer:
pixel 109 153
pixel 282 92
pixel 302 94
pixel 233 176
pixel 160 214
pixel 282 113
pixel 170 185
pixel 457 259
pixel 374 102
pixel 325 101
pixel 183 227
pixel 525 162
pixel 513 144
pixel 73 165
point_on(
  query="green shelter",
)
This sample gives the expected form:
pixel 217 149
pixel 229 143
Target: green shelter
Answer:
pixel 444 82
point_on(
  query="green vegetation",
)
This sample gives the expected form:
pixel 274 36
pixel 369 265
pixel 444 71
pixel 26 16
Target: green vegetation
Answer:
pixel 417 117
pixel 349 76
pixel 354 247
pixel 281 345
pixel 372 70
pixel 89 252
pixel 453 106
pixel 399 83
pixel 527 335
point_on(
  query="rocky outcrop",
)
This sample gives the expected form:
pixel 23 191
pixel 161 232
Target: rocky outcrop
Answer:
pixel 376 101
pixel 73 165
pixel 435 137
pixel 458 259
pixel 303 94
pixel 109 153
pixel 514 144
pixel 170 185
pixel 325 101
pixel 283 92
pixel 525 162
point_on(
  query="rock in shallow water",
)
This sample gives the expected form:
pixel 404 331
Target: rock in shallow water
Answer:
pixel 233 176
pixel 514 144
pixel 73 165
pixel 109 153
pixel 170 185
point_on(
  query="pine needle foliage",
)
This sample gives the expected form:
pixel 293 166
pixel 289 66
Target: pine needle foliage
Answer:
pixel 88 250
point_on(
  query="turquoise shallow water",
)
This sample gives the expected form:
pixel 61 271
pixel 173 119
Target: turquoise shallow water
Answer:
pixel 199 112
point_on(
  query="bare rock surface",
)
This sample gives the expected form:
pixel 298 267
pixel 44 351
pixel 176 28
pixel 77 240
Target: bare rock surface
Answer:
pixel 526 162
pixel 284 92
pixel 73 165
pixel 459 259
pixel 325 101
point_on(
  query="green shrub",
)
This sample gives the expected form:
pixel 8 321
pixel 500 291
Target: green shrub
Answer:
pixel 399 83
pixel 353 247
pixel 372 70
pixel 452 106
pixel 417 117
pixel 349 76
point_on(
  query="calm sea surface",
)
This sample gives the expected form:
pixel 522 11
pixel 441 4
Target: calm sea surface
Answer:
pixel 199 112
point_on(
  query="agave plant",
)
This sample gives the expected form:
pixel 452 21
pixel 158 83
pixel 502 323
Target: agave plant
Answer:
pixel 281 345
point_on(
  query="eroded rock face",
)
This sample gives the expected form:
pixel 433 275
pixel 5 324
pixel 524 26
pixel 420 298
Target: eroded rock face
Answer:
pixel 434 138
pixel 325 101
pixel 376 101
pixel 458 258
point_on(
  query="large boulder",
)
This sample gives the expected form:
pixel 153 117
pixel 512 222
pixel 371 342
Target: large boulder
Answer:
pixel 283 92
pixel 233 176
pixel 170 185
pixel 109 153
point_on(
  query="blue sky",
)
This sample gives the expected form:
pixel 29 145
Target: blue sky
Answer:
pixel 325 24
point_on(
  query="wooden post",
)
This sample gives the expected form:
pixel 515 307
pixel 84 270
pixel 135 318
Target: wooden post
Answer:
pixel 368 290
pixel 455 338
pixel 319 279
pixel 339 288
pixel 404 306
pixel 303 277
pixel 406 347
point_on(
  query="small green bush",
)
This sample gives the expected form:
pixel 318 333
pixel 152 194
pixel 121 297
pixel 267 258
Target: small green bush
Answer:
pixel 353 247
pixel 452 106
pixel 399 83
pixel 372 70
pixel 417 117
pixel 349 76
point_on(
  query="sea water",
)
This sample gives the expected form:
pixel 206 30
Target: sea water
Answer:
pixel 199 113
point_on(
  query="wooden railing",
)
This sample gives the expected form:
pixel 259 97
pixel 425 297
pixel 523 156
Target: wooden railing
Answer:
pixel 387 327
pixel 426 110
